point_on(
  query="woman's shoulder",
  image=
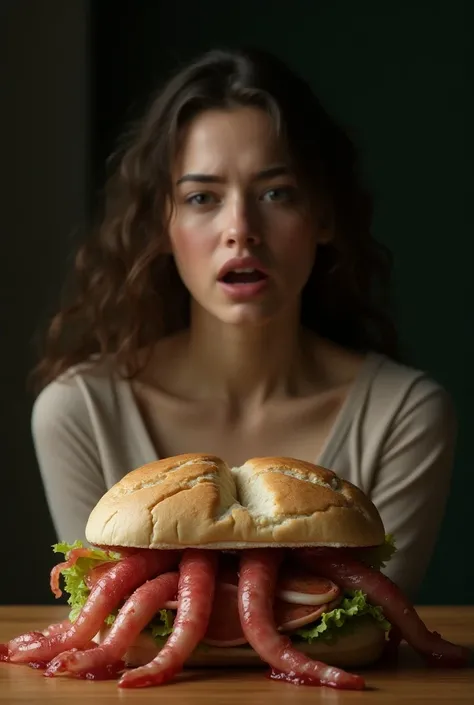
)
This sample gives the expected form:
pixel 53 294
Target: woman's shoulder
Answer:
pixel 373 373
pixel 67 397
pixel 389 374
pixel 397 390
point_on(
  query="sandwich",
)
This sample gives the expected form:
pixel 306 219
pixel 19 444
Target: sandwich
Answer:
pixel 192 563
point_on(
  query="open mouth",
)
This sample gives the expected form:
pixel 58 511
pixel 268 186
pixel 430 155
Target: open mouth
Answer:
pixel 243 276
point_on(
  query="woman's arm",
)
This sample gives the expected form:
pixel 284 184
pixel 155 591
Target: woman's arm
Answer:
pixel 68 457
pixel 413 480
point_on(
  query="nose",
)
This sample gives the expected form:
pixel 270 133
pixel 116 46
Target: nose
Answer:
pixel 239 227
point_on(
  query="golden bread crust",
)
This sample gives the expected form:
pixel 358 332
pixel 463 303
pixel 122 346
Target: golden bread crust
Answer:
pixel 197 500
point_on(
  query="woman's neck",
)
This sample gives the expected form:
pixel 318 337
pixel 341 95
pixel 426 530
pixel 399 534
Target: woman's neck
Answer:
pixel 242 363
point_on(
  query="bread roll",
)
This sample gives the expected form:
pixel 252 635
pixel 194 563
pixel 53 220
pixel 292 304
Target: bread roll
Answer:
pixel 196 500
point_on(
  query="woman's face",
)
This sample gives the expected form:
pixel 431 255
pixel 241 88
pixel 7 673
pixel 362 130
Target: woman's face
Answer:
pixel 238 206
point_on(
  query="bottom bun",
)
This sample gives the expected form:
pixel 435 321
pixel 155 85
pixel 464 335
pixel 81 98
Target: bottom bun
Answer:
pixel 361 647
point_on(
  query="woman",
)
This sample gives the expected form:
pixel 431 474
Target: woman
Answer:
pixel 231 302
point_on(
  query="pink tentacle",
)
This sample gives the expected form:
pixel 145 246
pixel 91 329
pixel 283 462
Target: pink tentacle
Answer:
pixel 104 598
pixel 197 574
pixel 134 616
pixel 351 574
pixel 258 577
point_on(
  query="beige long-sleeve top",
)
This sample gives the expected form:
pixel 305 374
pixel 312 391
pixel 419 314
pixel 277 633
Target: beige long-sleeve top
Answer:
pixel 394 438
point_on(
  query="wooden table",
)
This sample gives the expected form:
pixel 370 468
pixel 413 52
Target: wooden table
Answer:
pixel 409 682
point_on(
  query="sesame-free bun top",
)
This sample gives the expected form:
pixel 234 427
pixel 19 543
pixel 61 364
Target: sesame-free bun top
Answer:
pixel 198 500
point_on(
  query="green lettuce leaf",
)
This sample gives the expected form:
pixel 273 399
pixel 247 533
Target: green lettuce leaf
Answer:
pixel 162 624
pixel 377 557
pixel 354 605
pixel 352 608
pixel 75 586
pixel 74 576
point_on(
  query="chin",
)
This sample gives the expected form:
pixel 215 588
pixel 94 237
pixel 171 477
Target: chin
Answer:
pixel 254 314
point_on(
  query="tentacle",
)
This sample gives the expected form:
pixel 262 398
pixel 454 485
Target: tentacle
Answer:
pixel 351 574
pixel 104 598
pixel 57 628
pixel 98 573
pixel 197 575
pixel 133 617
pixel 29 637
pixel 72 557
pixel 258 577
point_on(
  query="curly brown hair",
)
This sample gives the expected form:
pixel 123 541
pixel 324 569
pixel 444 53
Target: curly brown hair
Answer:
pixel 126 290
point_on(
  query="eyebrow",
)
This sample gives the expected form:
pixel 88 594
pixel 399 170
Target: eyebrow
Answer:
pixel 269 173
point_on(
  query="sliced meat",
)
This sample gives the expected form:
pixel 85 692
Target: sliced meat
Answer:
pixel 133 617
pixel 294 585
pixel 197 576
pixel 338 565
pixel 258 578
pixel 289 617
pixel 224 628
pixel 107 594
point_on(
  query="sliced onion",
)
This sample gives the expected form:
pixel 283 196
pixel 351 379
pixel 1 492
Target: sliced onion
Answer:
pixel 306 589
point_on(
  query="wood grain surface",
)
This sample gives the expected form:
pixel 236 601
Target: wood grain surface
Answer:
pixel 410 681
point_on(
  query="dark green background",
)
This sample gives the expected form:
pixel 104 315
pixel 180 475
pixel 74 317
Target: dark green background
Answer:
pixel 399 76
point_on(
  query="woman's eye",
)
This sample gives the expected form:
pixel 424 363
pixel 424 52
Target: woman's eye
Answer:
pixel 281 194
pixel 200 199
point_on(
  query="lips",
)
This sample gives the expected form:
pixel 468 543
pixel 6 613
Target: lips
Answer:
pixel 242 270
pixel 243 276
pixel 242 279
pixel 244 290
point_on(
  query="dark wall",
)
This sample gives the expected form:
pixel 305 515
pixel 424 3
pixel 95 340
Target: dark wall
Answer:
pixel 398 75
pixel 44 147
